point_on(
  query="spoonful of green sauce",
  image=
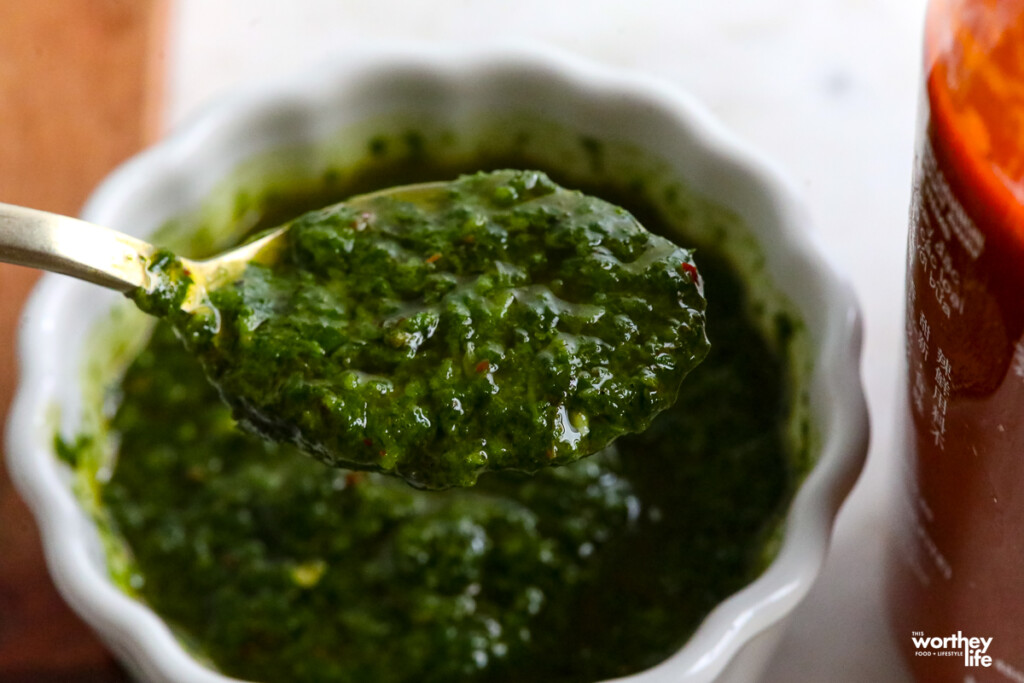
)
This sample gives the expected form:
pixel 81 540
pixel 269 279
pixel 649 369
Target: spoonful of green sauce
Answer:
pixel 438 331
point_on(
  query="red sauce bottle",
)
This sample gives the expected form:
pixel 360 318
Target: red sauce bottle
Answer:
pixel 958 562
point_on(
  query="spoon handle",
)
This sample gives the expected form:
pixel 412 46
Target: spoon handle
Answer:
pixel 50 241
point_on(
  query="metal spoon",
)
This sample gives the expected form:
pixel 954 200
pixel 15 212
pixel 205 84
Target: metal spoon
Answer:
pixel 112 259
pixel 352 409
pixel 90 252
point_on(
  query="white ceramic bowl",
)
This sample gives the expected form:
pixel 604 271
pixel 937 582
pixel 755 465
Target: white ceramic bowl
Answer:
pixel 468 101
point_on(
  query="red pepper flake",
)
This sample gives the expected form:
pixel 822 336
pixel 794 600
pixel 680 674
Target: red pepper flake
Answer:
pixel 368 442
pixel 354 479
pixel 690 270
pixel 483 366
pixel 382 452
pixel 434 258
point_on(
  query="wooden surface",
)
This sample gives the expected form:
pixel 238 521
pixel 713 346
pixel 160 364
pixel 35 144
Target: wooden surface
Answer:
pixel 80 86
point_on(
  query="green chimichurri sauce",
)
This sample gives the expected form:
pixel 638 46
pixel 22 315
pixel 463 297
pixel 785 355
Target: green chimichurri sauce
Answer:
pixel 495 322
pixel 275 568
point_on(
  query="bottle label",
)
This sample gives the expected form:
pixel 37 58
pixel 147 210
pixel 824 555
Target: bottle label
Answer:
pixel 944 244
pixel 960 546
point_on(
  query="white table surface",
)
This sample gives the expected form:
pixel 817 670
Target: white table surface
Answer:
pixel 827 88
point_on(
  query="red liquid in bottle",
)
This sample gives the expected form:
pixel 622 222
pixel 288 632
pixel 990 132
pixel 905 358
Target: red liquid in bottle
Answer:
pixel 957 580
